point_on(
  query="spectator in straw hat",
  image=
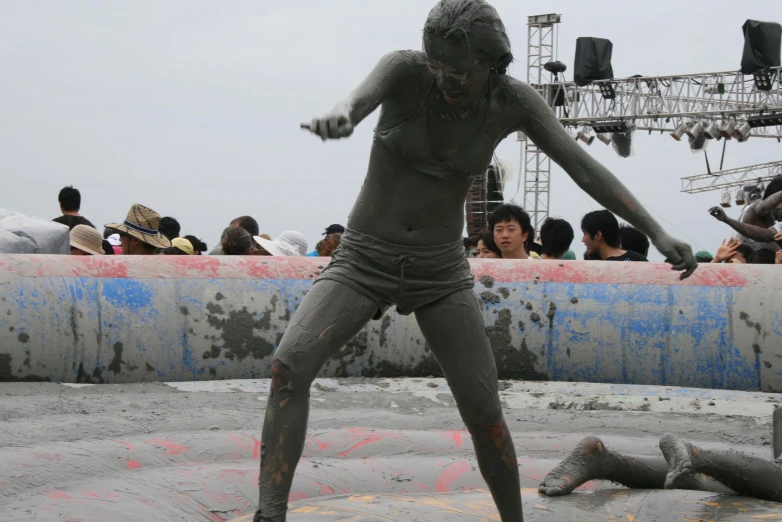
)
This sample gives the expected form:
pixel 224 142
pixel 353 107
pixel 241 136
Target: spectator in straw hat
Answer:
pixel 289 243
pixel 86 241
pixel 139 233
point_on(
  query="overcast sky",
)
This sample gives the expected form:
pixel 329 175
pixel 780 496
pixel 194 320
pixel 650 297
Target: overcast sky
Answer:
pixel 192 107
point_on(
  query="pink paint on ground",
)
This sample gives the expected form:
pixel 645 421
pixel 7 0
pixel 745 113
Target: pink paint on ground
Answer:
pixel 133 464
pixel 359 445
pixel 449 475
pixel 56 494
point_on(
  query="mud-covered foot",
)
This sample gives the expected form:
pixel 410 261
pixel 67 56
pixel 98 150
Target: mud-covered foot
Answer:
pixel 582 465
pixel 678 459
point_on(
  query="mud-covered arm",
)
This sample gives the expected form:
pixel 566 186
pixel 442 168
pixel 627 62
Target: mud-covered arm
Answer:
pixel 764 207
pixel 382 81
pixel 538 122
pixel 764 235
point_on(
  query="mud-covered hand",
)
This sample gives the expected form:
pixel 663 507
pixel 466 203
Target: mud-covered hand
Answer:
pixel 718 213
pixel 333 126
pixel 678 253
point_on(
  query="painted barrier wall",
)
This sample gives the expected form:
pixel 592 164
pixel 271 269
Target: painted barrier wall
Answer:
pixel 130 319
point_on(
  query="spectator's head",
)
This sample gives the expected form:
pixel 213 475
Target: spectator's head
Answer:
pixel 199 247
pixel 247 223
pixel 289 243
pixel 70 200
pixel 173 251
pixel 703 257
pixel 742 255
pixel 556 235
pixel 334 229
pixel 139 233
pixel 184 245
pixel 470 244
pixel 328 244
pixel 512 228
pixel 487 248
pixel 632 239
pixel 601 229
pixel 762 256
pixel 169 227
pixel 237 242
pixel 86 241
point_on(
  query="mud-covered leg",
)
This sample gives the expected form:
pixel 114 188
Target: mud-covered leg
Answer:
pixel 592 460
pixel 454 330
pixel 329 316
pixel 746 475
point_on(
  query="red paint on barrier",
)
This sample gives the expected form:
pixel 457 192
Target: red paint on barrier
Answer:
pixel 359 445
pixel 302 268
pixel 449 475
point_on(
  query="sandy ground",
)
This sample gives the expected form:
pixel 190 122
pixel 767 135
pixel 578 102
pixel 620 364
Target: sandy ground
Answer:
pixel 78 452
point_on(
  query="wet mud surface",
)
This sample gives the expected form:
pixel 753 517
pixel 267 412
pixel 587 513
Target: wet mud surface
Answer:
pixel 151 452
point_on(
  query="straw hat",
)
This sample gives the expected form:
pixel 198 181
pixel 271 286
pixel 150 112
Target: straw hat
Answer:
pixel 289 243
pixel 184 245
pixel 142 223
pixel 86 238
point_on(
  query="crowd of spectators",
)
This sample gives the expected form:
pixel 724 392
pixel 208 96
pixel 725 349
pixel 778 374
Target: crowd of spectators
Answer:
pixel 510 235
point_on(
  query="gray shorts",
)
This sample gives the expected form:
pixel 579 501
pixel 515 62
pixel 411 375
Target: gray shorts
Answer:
pixel 409 277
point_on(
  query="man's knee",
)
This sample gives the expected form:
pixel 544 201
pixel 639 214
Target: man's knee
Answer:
pixel 480 416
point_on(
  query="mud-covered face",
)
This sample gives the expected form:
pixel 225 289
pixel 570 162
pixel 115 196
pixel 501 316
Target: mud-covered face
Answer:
pixel 460 74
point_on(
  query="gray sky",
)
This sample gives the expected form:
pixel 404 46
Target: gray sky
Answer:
pixel 192 107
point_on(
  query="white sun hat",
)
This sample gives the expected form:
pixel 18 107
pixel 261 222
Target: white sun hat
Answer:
pixel 290 243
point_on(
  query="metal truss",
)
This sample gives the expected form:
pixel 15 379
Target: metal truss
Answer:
pixel 726 179
pixel 537 166
pixel 663 102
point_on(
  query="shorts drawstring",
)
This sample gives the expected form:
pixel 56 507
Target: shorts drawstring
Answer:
pixel 402 260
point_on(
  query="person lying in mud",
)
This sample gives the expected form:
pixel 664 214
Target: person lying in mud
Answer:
pixel 685 466
pixel 444 111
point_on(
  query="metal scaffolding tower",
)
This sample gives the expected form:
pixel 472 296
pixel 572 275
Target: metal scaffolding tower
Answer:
pixel 541 40
pixel 727 179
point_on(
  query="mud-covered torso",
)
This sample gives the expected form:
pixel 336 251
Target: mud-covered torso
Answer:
pixel 424 160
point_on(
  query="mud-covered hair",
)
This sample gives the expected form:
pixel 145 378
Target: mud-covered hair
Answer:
pixel 774 186
pixel 474 23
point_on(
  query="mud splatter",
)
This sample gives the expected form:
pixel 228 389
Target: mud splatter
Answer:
pixel 23 337
pixel 239 339
pixel 6 374
pixel 148 367
pixel 535 317
pixel 490 297
pixel 504 292
pixel 767 364
pixel 512 362
pixel 529 306
pixel 219 296
pixel 487 281
pixel 116 363
pixel 574 300
pixel 744 316
pixel 568 351
pixel 756 348
pixel 184 310
pixel 552 310
pixel 384 325
pixel 214 308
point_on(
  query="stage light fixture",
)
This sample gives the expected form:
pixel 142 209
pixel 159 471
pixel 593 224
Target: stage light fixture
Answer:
pixel 609 126
pixel 607 90
pixel 679 131
pixel 694 130
pixel 741 132
pixel 728 128
pixel 765 120
pixel 726 199
pixel 584 136
pixel 763 80
pixel 605 138
pixel 740 199
pixel 712 131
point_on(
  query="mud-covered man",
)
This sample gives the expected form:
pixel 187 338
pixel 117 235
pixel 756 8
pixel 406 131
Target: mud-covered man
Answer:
pixel 443 112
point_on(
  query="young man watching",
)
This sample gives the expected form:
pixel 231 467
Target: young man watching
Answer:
pixel 511 227
pixel 70 203
pixel 630 238
pixel 555 236
pixel 601 237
